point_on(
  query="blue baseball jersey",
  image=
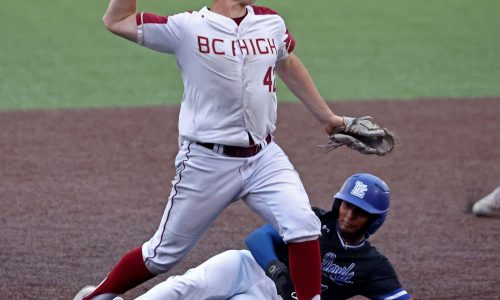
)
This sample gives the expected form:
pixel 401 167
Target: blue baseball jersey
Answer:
pixel 350 270
pixel 347 270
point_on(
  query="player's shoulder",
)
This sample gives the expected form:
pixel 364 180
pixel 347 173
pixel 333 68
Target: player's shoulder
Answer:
pixel 267 18
pixel 322 214
pixel 263 10
pixel 266 13
pixel 376 256
pixel 153 18
pixel 372 248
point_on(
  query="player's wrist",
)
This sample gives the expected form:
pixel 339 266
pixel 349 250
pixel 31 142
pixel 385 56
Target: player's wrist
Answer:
pixel 275 268
pixel 279 273
pixel 333 123
pixel 347 121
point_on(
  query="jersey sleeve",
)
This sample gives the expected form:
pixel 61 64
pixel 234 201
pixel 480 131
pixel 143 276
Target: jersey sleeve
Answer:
pixel 287 44
pixel 384 284
pixel 319 212
pixel 264 243
pixel 397 294
pixel 161 33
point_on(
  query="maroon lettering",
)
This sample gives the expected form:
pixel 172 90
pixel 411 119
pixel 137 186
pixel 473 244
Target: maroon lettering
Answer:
pixel 233 46
pixel 203 44
pixel 258 41
pixel 243 47
pixel 246 46
pixel 253 47
pixel 272 45
pixel 270 80
pixel 215 49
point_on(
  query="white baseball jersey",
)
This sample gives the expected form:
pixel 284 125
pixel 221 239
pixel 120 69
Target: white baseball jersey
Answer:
pixel 227 70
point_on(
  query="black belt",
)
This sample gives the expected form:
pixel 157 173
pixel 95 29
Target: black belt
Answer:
pixel 235 151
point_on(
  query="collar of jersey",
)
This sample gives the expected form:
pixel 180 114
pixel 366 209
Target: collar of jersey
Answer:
pixel 344 245
pixel 206 11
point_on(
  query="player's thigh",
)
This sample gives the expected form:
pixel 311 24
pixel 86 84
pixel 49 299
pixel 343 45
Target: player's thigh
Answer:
pixel 223 276
pixel 278 195
pixel 187 286
pixel 234 272
pixel 257 286
pixel 235 275
pixel 205 183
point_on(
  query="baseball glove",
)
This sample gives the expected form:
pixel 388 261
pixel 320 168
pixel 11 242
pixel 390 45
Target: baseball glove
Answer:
pixel 362 135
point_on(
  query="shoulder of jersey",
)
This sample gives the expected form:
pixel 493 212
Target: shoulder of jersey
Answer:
pixel 262 10
pixel 147 17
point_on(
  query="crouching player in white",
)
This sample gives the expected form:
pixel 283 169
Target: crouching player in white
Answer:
pixel 350 265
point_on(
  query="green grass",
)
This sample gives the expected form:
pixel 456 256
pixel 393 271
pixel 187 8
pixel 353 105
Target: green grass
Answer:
pixel 58 53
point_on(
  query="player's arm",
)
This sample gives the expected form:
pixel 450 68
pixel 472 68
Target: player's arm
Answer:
pixel 264 244
pixel 120 18
pixel 297 79
pixel 383 283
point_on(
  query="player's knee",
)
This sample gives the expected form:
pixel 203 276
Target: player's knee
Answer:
pixel 162 264
pixel 181 284
pixel 247 261
pixel 160 267
pixel 176 288
pixel 303 239
pixel 233 257
pixel 161 257
pixel 302 228
pixel 231 262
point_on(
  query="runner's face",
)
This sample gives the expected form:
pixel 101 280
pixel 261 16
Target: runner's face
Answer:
pixel 352 219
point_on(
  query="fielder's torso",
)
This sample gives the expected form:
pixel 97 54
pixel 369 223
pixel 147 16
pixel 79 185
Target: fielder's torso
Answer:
pixel 227 70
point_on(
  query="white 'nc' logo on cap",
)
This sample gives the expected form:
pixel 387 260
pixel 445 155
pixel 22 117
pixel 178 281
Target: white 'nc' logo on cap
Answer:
pixel 359 189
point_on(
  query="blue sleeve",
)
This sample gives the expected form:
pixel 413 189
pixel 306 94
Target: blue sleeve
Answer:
pixel 263 244
pixel 384 284
pixel 398 294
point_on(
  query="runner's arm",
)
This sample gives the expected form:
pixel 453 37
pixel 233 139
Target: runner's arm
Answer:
pixel 263 244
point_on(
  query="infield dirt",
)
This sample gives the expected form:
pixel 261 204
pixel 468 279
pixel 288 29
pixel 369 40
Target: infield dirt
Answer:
pixel 79 188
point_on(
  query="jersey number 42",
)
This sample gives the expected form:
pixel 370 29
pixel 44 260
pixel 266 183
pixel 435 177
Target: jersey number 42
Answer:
pixel 270 80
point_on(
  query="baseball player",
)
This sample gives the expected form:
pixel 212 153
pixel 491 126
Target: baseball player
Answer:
pixel 350 266
pixel 228 56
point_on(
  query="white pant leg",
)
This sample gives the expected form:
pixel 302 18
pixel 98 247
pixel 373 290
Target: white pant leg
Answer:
pixel 205 183
pixel 277 194
pixel 233 274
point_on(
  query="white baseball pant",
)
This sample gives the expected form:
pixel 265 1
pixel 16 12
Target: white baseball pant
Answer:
pixel 233 275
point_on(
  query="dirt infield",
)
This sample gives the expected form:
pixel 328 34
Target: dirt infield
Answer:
pixel 81 187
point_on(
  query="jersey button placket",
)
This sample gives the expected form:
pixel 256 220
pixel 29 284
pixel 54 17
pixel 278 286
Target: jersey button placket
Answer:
pixel 242 74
